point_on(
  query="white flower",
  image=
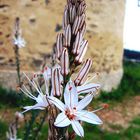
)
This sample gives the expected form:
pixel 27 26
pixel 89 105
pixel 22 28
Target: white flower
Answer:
pixel 72 110
pixel 19 41
pixel 41 99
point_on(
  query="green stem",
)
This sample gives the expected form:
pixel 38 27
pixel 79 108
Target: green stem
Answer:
pixel 40 126
pixel 17 63
pixel 30 125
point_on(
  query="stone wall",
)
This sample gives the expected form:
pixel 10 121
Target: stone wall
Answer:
pixel 40 21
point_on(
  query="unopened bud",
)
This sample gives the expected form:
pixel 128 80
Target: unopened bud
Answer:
pixel 65 18
pixel 81 8
pixel 19 116
pixel 59 45
pixel 76 25
pixel 67 36
pixel 56 82
pixel 81 77
pixel 83 29
pixel 65 62
pixel 83 49
pixel 77 43
pixel 82 20
pixel 72 13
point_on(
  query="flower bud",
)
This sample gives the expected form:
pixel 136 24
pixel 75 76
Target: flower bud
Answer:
pixel 65 18
pixel 82 8
pixel 65 62
pixel 81 77
pixel 83 29
pixel 72 13
pixel 19 116
pixel 56 82
pixel 67 36
pixel 82 20
pixel 82 52
pixel 47 73
pixel 77 43
pixel 76 25
pixel 59 45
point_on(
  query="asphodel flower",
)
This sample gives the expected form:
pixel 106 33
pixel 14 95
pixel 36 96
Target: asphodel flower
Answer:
pixel 73 110
pixel 41 100
pixel 19 42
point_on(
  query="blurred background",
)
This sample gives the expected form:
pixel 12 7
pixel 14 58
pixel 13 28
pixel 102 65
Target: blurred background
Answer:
pixel 113 31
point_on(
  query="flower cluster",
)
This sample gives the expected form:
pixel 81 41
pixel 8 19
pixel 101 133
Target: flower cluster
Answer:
pixel 71 95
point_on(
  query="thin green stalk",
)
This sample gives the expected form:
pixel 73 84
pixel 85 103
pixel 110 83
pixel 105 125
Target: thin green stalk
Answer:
pixel 40 126
pixel 17 64
pixel 30 125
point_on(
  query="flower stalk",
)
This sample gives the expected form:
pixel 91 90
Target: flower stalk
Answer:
pixel 62 98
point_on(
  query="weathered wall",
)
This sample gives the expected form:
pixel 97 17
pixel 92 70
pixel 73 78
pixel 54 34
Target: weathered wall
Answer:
pixel 104 32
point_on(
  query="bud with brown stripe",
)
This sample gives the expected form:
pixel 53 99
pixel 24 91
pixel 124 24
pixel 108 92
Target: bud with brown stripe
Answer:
pixel 64 62
pixel 56 82
pixel 83 49
pixel 81 77
pixel 59 45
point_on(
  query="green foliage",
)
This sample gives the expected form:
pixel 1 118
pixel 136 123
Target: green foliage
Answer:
pixel 11 98
pixel 129 85
pixel 3 129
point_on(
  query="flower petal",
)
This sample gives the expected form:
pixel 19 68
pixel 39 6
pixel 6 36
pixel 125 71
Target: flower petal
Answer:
pixel 70 95
pixel 84 102
pixel 62 120
pixel 57 103
pixel 89 117
pixel 36 106
pixel 77 128
pixel 88 88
